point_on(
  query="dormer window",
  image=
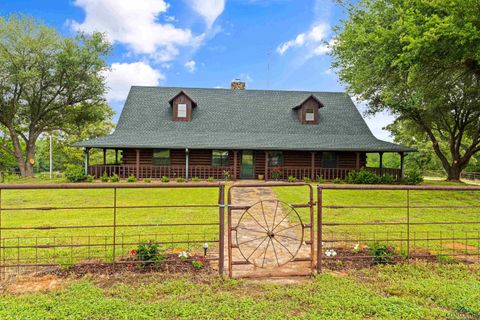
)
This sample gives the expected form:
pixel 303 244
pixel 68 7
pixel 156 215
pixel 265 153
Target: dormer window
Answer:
pixel 181 110
pixel 182 107
pixel 308 110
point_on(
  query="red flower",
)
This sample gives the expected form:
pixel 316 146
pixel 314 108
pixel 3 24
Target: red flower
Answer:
pixel 132 252
pixel 200 259
pixel 390 249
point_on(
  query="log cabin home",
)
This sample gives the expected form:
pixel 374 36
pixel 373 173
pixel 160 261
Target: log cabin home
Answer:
pixel 244 134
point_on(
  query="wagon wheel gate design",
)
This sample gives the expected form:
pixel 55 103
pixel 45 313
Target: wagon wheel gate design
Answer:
pixel 269 237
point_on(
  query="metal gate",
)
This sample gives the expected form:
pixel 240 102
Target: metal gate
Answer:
pixel 268 237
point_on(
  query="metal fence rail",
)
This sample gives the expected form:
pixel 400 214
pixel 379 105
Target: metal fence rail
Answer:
pixel 419 230
pixel 39 246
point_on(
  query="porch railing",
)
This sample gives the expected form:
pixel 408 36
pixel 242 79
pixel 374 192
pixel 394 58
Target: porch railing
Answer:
pixel 327 173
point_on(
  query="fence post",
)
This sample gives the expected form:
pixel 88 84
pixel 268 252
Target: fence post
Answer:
pixel 408 223
pixel 319 229
pixel 114 226
pixel 221 212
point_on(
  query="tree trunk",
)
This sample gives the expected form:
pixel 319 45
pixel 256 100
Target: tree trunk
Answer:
pixel 454 172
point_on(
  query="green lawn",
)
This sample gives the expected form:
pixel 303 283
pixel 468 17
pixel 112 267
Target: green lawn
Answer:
pixel 415 291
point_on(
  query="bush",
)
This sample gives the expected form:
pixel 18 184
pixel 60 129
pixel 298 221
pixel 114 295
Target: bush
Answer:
pixel 165 179
pixel 115 178
pixel 382 253
pixel 147 180
pixel 104 177
pixel 180 180
pixel 195 179
pixel 387 180
pixel 226 175
pixel 320 179
pixel 276 173
pixel 89 178
pixel 413 177
pixel 75 173
pixel 307 180
pixel 149 253
pixel 131 179
pixel 362 176
pixel 337 180
pixel 198 262
pixel 211 179
pixel 292 179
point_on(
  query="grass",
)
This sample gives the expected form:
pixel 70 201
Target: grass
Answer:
pixel 415 291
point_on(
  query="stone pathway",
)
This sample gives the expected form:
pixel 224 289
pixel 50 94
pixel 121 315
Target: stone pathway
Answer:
pixel 268 235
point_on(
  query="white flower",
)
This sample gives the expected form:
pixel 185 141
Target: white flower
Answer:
pixel 330 253
pixel 356 247
pixel 183 255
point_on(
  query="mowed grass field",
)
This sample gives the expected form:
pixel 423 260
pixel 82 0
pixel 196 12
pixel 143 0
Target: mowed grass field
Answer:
pixel 76 243
pixel 410 291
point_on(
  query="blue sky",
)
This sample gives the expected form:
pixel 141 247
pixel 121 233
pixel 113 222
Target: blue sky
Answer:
pixel 270 44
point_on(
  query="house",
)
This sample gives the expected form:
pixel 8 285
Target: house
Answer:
pixel 244 134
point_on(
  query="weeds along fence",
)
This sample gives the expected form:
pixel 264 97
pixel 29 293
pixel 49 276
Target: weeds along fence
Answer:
pixel 428 222
pixel 60 225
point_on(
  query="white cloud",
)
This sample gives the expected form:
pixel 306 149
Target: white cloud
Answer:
pixel 210 10
pixel 124 75
pixel 190 66
pixel 312 42
pixel 135 24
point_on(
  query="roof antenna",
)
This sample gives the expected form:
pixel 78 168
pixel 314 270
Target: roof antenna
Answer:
pixel 269 54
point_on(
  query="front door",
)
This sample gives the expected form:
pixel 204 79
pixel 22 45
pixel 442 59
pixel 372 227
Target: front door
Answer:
pixel 247 165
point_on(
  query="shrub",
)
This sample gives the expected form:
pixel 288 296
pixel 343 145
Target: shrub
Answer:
pixel 276 173
pixel 292 179
pixel 226 175
pixel 382 253
pixel 75 173
pixel 337 180
pixel 362 176
pixel 131 179
pixel 115 178
pixel 307 180
pixel 387 180
pixel 195 179
pixel 149 253
pixel 89 178
pixel 165 179
pixel 147 180
pixel 104 177
pixel 198 262
pixel 413 177
pixel 211 179
pixel 180 180
pixel 320 179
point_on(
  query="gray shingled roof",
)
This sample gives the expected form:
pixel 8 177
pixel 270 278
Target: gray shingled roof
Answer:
pixel 240 119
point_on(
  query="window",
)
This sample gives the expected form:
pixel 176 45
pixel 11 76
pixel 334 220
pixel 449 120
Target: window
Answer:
pixel 275 158
pixel 310 115
pixel 161 157
pixel 219 158
pixel 181 110
pixel 329 159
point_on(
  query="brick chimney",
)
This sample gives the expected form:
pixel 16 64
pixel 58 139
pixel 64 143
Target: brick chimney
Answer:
pixel 237 85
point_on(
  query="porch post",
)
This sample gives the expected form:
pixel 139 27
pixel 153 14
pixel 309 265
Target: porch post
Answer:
pixel 186 164
pixel 137 163
pixel 312 174
pixel 402 165
pixel 235 165
pixel 116 156
pixel 87 159
pixel 381 163
pixel 357 162
pixel 104 156
pixel 266 165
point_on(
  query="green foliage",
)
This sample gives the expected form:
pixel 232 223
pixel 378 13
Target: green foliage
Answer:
pixel 198 263
pixel 276 173
pixel 226 175
pixel 90 178
pixel 362 176
pixel 104 177
pixel 211 179
pixel 292 179
pixel 412 177
pixel 149 253
pixel 307 180
pixel 114 178
pixel 165 179
pixel 180 180
pixel 387 180
pixel 131 179
pixel 195 179
pixel 64 74
pixel 337 181
pixel 320 179
pixel 147 180
pixel 382 253
pixel 74 173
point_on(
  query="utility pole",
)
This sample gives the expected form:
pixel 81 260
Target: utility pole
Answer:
pixel 51 157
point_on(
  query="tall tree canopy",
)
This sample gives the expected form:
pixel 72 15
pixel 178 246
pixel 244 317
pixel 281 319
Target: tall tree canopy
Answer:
pixel 47 83
pixel 419 60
